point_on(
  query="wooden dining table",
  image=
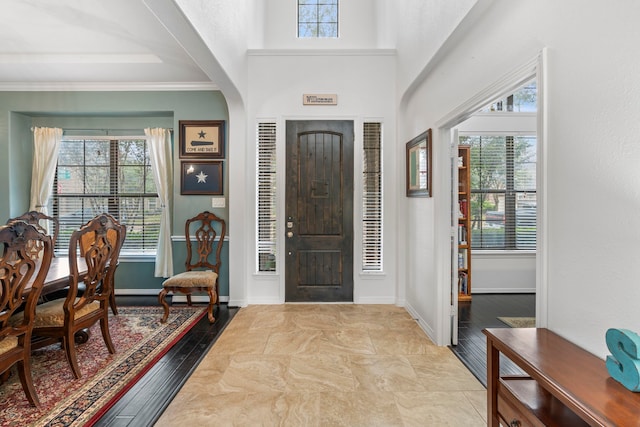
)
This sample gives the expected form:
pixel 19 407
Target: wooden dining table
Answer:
pixel 58 274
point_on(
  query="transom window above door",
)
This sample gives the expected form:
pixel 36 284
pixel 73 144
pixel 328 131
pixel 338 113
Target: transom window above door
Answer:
pixel 317 18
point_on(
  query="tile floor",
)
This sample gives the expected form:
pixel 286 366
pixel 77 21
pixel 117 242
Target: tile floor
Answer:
pixel 327 365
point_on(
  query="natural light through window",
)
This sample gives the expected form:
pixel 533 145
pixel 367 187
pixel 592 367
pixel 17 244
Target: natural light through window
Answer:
pixel 524 100
pixel 266 197
pixel 503 205
pixel 107 174
pixel 372 197
pixel 317 18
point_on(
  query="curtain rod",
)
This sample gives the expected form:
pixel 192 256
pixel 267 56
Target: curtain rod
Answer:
pixel 104 130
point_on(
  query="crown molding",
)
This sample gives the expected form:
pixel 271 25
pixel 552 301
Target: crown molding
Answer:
pixel 321 52
pixel 104 86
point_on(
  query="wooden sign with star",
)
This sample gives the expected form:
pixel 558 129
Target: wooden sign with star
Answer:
pixel 201 139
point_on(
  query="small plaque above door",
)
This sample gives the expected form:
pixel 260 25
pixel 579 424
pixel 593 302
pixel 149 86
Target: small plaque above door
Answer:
pixel 319 99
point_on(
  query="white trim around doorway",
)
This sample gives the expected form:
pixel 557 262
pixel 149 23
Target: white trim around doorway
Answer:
pixel 534 68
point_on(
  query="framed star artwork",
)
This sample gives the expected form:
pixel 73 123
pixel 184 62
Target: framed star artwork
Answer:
pixel 201 177
pixel 201 139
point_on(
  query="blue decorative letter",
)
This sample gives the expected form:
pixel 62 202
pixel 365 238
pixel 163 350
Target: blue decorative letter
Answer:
pixel 624 363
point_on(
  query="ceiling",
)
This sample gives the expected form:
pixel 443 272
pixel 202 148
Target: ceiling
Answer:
pixel 90 44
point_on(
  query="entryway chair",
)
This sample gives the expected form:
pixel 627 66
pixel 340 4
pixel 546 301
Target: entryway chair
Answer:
pixel 22 276
pixel 99 243
pixel 200 275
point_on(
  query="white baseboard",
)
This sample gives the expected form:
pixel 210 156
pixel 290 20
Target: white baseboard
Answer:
pixel 421 322
pixel 376 300
pixel 504 291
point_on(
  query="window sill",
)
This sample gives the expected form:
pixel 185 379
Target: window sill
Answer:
pixel 478 253
pixel 373 274
pixel 137 257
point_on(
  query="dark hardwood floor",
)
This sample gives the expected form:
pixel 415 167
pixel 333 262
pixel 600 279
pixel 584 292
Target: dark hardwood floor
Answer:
pixel 143 404
pixel 482 312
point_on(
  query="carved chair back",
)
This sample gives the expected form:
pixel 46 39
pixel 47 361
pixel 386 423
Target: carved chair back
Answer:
pixel 201 246
pixel 44 223
pixel 99 242
pixel 22 277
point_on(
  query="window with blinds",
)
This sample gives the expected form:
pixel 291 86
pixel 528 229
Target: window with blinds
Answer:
pixel 372 197
pixel 105 174
pixel 266 197
pixel 503 191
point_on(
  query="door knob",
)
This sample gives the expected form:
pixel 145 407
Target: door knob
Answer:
pixel 289 234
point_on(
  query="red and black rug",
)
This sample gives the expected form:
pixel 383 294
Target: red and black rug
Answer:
pixel 140 341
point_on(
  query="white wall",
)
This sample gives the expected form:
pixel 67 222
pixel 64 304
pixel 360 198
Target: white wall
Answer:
pixel 358 27
pixel 592 177
pixel 503 273
pixel 364 84
pixel 224 26
pixel 421 28
pixel 360 69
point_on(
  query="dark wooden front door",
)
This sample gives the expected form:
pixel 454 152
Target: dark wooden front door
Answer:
pixel 319 211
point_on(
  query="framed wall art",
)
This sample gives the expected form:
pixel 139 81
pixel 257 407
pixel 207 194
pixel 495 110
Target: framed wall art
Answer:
pixel 201 177
pixel 419 165
pixel 201 139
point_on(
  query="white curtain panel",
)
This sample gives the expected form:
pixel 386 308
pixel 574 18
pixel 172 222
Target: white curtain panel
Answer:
pixel 46 145
pixel 159 143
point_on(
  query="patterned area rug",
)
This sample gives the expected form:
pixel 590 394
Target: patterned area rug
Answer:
pixel 519 322
pixel 140 341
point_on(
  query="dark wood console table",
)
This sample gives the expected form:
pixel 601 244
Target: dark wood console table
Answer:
pixel 564 384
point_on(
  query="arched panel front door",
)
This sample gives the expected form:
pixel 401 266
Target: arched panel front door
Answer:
pixel 319 212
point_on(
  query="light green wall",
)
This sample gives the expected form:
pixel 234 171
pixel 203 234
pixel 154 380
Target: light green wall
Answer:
pixel 19 111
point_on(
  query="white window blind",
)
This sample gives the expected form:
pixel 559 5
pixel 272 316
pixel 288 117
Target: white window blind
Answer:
pixel 107 175
pixel 266 196
pixel 372 197
pixel 503 191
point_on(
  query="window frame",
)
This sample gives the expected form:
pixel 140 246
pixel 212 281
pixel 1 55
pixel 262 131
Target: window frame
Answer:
pixel 113 196
pixel 317 22
pixel 509 193
pixel 266 249
pixel 372 198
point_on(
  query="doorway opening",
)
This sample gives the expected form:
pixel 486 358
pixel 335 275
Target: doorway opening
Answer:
pixel 506 257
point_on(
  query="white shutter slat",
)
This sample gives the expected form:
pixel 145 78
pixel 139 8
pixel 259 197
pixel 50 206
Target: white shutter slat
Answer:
pixel 372 197
pixel 266 197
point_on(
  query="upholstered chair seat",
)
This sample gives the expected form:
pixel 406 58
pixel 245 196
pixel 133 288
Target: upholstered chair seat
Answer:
pixel 52 313
pixel 8 344
pixel 192 279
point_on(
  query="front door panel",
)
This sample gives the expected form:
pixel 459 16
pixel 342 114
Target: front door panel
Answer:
pixel 319 211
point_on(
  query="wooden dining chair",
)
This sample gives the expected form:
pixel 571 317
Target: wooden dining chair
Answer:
pixel 201 274
pixel 115 239
pixel 21 279
pixel 99 243
pixel 44 223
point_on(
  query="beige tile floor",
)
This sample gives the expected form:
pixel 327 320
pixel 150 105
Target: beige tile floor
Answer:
pixel 327 365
